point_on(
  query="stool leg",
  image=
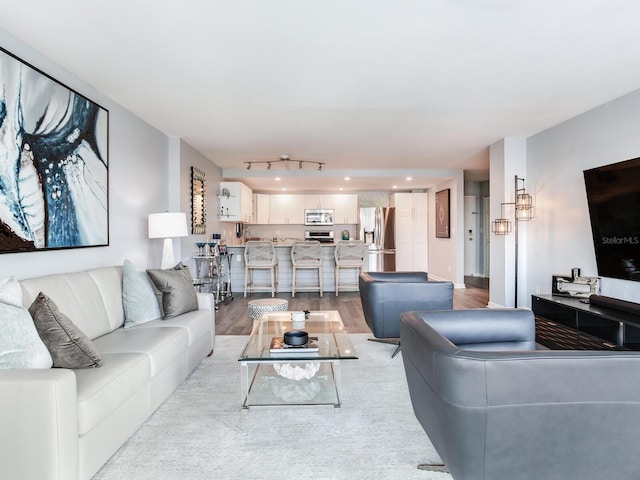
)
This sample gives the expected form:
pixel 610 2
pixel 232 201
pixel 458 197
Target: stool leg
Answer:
pixel 293 282
pixel 273 282
pixel 337 278
pixel 246 279
pixel 320 279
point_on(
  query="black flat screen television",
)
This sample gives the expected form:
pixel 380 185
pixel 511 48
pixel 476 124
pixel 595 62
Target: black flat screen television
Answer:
pixel 613 195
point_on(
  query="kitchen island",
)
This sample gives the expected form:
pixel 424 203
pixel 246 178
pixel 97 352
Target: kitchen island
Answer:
pixel 348 277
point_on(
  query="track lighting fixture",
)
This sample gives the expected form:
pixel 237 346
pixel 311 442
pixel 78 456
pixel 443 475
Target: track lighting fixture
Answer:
pixel 286 159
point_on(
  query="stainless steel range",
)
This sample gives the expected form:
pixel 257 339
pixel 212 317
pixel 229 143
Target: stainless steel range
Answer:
pixel 323 237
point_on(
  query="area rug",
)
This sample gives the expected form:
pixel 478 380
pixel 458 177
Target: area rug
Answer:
pixel 200 433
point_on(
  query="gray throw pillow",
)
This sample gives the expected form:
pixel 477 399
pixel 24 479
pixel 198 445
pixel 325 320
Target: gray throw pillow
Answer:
pixel 185 269
pixel 178 294
pixel 69 347
pixel 138 296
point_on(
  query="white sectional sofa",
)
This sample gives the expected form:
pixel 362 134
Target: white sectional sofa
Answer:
pixel 64 424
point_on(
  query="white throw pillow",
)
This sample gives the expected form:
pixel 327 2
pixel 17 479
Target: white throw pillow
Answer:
pixel 138 296
pixel 10 292
pixel 20 344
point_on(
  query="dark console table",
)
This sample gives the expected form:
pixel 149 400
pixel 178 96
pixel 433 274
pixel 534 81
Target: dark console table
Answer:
pixel 567 323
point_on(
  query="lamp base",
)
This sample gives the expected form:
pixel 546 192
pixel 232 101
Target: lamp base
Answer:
pixel 168 259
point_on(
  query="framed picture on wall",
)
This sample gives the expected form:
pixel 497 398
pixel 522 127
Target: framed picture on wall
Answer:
pixel 442 214
pixel 54 162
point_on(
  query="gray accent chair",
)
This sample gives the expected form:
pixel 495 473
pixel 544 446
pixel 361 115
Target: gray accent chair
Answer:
pixel 496 409
pixel 386 295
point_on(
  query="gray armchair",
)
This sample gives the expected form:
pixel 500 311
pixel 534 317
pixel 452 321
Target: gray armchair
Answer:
pixel 386 295
pixel 496 409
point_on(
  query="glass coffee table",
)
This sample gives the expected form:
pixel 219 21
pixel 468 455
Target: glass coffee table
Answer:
pixel 291 376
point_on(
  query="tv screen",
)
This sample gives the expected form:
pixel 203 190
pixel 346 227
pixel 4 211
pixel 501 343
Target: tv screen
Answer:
pixel 613 195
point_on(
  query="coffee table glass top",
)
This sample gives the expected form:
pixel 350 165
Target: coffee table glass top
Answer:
pixel 327 326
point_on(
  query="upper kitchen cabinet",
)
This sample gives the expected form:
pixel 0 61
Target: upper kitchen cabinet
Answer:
pixel 346 208
pixel 286 209
pixel 319 201
pixel 236 202
pixel 261 208
pixel 411 230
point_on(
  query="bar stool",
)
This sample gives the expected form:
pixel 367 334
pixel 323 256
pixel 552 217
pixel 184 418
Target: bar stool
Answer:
pixel 306 255
pixel 349 254
pixel 259 255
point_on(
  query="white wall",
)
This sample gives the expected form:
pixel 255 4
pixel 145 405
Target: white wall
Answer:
pixel 138 180
pixel 190 157
pixel 508 158
pixel 446 255
pixel 560 234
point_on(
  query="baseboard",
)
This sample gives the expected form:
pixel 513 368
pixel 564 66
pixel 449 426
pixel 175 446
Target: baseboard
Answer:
pixel 494 305
pixel 436 278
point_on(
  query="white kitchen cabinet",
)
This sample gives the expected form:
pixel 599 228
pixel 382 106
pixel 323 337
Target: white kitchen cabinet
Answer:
pixel 411 231
pixel 319 201
pixel 286 209
pixel 260 208
pixel 345 208
pixel 236 202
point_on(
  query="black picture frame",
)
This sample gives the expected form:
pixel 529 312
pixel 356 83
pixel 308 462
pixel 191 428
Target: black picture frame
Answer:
pixel 54 163
pixel 442 215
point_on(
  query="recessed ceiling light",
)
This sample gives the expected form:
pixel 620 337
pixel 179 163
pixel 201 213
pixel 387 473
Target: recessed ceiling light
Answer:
pixel 395 186
pixel 284 188
pixel 277 179
pixel 341 189
pixel 409 179
pixel 347 178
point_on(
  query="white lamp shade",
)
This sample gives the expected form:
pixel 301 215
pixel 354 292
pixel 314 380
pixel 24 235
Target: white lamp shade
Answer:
pixel 168 225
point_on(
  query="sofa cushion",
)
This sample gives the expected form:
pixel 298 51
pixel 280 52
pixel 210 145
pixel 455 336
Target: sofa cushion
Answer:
pixel 197 324
pixel 161 345
pixel 93 299
pixel 138 296
pixel 101 391
pixel 178 293
pixel 20 344
pixel 69 347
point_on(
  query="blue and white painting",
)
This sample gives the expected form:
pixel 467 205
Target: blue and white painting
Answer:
pixel 53 163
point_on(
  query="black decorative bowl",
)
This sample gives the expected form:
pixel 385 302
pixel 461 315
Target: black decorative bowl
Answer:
pixel 296 338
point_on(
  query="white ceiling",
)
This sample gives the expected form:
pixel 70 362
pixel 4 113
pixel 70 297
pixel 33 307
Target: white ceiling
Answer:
pixel 379 88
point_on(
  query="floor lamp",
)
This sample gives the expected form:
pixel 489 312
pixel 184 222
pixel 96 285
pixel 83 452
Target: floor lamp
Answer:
pixel 523 203
pixel 167 225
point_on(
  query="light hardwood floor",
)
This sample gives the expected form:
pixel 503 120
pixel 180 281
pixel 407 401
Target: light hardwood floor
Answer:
pixel 232 318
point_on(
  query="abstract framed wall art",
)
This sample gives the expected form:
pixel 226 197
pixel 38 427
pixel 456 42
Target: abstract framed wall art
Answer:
pixel 442 214
pixel 54 163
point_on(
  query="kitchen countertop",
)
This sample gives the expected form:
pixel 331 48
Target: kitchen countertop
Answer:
pixel 281 244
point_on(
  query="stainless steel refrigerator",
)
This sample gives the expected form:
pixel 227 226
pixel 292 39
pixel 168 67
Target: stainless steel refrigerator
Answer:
pixel 377 229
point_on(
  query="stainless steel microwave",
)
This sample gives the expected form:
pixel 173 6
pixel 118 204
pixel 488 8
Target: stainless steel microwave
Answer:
pixel 318 217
